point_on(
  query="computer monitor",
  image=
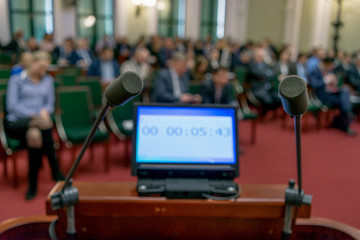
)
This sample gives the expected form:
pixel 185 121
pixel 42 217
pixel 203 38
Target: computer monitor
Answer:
pixel 185 141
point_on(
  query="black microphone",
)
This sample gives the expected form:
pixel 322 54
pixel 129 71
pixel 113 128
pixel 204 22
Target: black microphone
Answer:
pixel 123 89
pixel 120 91
pixel 295 101
pixel 294 96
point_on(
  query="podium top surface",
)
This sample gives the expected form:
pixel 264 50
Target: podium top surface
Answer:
pixel 256 200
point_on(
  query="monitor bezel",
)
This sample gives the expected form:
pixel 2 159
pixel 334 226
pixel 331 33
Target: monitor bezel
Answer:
pixel 184 170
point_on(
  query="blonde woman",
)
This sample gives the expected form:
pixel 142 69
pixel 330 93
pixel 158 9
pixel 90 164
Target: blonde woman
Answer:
pixel 30 102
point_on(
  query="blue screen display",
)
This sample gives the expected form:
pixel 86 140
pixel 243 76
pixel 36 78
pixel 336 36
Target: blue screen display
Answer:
pixel 196 135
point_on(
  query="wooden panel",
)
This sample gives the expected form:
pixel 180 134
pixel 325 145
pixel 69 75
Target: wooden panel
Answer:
pixel 115 210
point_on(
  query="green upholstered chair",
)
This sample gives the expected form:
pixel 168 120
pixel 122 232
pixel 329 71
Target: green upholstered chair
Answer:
pixel 246 111
pixel 121 122
pixel 73 118
pixel 240 73
pixel 195 88
pixel 66 80
pixel 6 58
pixel 10 146
pixel 5 73
pixel 94 84
pixel 3 83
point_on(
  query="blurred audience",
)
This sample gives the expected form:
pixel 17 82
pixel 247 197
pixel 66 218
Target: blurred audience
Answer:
pixel 47 44
pixel 201 69
pixel 31 45
pixel 138 64
pixel 107 42
pixel 105 67
pixel 17 43
pixel 30 102
pixel 84 55
pixel 172 84
pixel 25 61
pixel 259 76
pixel 217 89
pixel 325 83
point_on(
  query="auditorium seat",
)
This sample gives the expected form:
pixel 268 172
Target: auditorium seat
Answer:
pixel 10 146
pixel 73 118
pixel 94 84
pixel 5 72
pixel 247 112
pixel 121 122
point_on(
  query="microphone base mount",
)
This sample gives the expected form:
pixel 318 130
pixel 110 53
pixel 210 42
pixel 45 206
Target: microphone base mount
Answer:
pixel 292 198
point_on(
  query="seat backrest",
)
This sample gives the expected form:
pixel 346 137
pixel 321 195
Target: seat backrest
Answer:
pixel 126 111
pixel 3 83
pixel 94 85
pixel 194 88
pixel 3 109
pixel 240 73
pixel 66 80
pixel 5 72
pixel 75 106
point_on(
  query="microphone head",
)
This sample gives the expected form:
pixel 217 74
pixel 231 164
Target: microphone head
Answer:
pixel 294 96
pixel 127 86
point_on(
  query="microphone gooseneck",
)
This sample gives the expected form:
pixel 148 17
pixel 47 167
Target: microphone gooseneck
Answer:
pixel 120 91
pixel 295 101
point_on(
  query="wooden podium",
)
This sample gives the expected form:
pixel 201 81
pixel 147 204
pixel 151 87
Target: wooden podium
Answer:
pixel 113 210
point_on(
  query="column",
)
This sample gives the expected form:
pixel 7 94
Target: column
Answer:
pixel 321 23
pixel 292 23
pixel 193 18
pixel 152 21
pixel 4 22
pixel 236 20
pixel 121 8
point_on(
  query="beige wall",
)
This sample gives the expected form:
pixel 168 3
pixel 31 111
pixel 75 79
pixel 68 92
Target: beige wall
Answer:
pixel 350 32
pixel 136 26
pixel 266 19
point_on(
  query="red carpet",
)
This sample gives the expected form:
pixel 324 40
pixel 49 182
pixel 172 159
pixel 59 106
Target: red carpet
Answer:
pixel 331 166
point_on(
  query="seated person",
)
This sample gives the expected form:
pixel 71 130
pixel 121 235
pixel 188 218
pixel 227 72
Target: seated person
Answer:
pixel 301 67
pixel 323 80
pixel 25 61
pixel 138 64
pixel 84 56
pixel 172 84
pixel 201 69
pixel 354 75
pixel 259 77
pixel 284 67
pixel 65 54
pixel 218 89
pixel 30 101
pixel 105 67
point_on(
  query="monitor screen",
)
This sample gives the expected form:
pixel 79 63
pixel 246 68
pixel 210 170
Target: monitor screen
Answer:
pixel 173 135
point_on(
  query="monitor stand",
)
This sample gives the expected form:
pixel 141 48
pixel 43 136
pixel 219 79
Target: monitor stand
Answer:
pixel 189 188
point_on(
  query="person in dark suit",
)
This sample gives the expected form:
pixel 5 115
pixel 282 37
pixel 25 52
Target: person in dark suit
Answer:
pixel 354 75
pixel 84 56
pixel 217 89
pixel 284 67
pixel 259 77
pixel 324 81
pixel 16 44
pixel 172 84
pixel 105 67
pixel 66 54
